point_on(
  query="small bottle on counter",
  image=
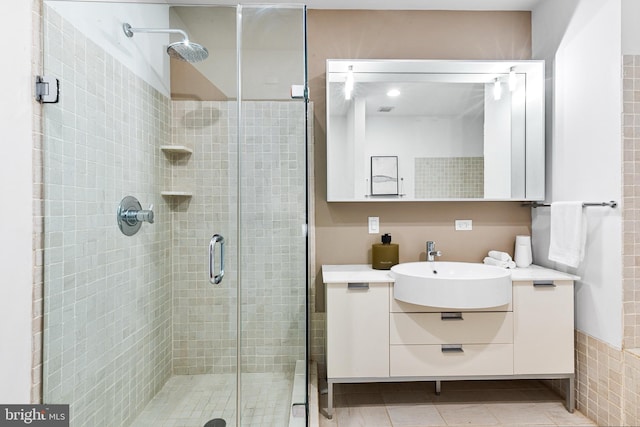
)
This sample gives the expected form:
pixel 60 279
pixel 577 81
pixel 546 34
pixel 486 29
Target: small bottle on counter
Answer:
pixel 386 254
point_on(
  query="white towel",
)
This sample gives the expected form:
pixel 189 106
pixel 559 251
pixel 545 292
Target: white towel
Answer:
pixel 504 264
pixel 568 233
pixel 500 256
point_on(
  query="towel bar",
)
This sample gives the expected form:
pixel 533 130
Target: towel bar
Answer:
pixel 611 204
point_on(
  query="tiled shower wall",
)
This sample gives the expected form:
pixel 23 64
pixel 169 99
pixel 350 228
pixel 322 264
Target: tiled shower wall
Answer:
pixel 273 258
pixel 108 296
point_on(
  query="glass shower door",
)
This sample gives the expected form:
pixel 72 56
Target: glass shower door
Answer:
pixel 273 215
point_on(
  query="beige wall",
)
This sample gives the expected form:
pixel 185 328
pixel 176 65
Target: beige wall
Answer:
pixel 341 228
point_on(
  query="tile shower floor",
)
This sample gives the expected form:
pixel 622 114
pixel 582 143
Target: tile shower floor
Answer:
pixel 192 400
pixel 475 403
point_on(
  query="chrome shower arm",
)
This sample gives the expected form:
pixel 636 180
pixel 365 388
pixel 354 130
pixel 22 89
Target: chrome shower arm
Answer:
pixel 128 30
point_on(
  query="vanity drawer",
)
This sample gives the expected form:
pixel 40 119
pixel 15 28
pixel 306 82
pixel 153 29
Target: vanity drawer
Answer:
pixel 452 327
pixel 434 361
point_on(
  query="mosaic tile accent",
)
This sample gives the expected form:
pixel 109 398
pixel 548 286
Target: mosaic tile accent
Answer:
pixel 449 177
pixel 108 296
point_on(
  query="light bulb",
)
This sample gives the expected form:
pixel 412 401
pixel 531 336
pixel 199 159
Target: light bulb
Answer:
pixel 497 90
pixel 512 79
pixel 349 83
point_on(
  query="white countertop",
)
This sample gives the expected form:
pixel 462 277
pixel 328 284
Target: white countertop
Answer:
pixel 364 273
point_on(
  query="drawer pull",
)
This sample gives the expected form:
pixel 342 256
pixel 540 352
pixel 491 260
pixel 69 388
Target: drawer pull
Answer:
pixel 544 284
pixel 358 286
pixel 452 348
pixel 451 316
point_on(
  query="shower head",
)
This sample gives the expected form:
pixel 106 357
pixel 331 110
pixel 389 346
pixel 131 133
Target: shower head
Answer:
pixel 187 51
pixel 183 50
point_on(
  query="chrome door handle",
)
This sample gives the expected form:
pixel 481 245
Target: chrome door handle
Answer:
pixel 216 278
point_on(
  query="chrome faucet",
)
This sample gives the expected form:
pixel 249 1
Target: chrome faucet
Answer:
pixel 431 251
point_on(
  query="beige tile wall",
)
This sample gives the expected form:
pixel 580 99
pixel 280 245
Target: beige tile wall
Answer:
pixel 632 388
pixel 599 382
pixel 607 382
pixel 631 202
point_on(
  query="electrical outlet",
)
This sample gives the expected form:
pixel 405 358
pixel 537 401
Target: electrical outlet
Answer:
pixel 464 225
pixel 374 225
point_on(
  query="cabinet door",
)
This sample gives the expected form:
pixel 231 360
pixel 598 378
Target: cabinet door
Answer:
pixel 357 330
pixel 543 327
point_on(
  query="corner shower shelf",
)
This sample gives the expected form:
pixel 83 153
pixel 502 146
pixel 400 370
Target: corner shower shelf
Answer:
pixel 176 149
pixel 176 193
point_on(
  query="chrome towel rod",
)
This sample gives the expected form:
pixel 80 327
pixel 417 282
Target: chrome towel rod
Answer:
pixel 611 204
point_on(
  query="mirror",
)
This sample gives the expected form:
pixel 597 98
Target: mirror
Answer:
pixel 435 130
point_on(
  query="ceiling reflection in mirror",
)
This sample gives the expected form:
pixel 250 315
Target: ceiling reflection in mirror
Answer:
pixel 458 132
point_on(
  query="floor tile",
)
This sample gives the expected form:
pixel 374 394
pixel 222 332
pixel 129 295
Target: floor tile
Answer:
pixel 466 414
pixel 415 416
pixel 559 414
pixel 519 413
pixel 476 403
pixel 363 416
pixel 407 397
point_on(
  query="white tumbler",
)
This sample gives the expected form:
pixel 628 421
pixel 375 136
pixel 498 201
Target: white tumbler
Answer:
pixel 522 254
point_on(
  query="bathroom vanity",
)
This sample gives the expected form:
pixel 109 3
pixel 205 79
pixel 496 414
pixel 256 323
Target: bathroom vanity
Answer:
pixel 373 337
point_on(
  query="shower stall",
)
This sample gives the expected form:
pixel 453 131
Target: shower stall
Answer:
pixel 136 330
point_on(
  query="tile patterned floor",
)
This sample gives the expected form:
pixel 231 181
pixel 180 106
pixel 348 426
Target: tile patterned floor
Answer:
pixel 192 400
pixel 475 403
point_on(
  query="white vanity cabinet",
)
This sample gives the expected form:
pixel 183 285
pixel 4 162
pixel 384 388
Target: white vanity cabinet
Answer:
pixel 543 327
pixel 357 330
pixel 372 337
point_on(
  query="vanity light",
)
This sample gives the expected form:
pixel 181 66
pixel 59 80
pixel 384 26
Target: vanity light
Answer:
pixel 512 79
pixel 393 93
pixel 497 90
pixel 348 84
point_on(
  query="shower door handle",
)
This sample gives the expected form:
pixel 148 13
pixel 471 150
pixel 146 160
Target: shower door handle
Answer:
pixel 216 278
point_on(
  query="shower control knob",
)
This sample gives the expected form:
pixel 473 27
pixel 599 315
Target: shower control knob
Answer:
pixel 145 215
pixel 130 215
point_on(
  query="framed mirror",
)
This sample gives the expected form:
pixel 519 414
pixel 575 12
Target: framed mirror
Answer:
pixel 435 130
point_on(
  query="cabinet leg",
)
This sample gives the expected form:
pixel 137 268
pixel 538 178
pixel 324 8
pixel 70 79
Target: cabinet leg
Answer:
pixel 438 387
pixel 571 394
pixel 330 399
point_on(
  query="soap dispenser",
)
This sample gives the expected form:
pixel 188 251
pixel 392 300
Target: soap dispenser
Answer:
pixel 385 255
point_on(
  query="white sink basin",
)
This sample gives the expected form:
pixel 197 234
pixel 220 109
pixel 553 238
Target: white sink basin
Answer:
pixel 456 285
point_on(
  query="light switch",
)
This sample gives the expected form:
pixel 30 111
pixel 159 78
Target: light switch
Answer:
pixel 374 225
pixel 464 225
